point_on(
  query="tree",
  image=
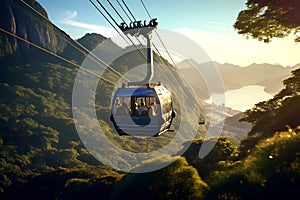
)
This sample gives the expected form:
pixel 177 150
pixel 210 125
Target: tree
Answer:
pixel 66 183
pixel 266 19
pixel 276 114
pixel 221 156
pixel 177 181
pixel 270 171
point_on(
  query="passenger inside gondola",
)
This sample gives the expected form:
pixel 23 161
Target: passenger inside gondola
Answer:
pixel 134 109
pixel 142 110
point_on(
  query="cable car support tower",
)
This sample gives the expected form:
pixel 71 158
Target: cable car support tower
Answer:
pixel 136 29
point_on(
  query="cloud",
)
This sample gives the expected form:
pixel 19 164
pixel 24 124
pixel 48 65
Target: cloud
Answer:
pixel 69 19
pixel 214 26
pixel 234 48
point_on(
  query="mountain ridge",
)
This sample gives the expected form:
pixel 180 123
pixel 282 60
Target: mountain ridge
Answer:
pixel 270 76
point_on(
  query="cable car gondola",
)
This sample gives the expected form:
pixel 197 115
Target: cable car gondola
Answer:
pixel 142 111
pixel 142 108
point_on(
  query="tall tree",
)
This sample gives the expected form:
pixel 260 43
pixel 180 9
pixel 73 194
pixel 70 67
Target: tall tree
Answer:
pixel 266 19
pixel 276 114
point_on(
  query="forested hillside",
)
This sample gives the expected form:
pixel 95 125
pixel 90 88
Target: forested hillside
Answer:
pixel 42 156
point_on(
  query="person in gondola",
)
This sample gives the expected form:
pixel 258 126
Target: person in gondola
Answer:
pixel 142 102
pixel 134 109
pixel 142 109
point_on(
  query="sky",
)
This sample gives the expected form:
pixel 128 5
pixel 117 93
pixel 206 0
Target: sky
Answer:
pixel 207 22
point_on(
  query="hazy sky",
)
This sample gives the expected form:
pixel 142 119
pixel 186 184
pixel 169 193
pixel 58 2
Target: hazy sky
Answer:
pixel 207 22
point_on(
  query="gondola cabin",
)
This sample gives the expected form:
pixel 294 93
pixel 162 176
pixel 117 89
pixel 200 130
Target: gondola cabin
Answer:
pixel 142 111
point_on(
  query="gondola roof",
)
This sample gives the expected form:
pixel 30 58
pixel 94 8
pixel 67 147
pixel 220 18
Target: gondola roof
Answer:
pixel 136 92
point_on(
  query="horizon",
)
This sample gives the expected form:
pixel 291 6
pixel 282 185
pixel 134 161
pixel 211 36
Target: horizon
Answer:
pixel 221 63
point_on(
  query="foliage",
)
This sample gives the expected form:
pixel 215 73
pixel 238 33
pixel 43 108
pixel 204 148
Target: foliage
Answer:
pixel 177 181
pixel 276 114
pixel 36 126
pixel 271 171
pixel 76 183
pixel 222 156
pixel 266 19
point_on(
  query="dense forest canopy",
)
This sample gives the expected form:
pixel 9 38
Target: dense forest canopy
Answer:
pixel 266 19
